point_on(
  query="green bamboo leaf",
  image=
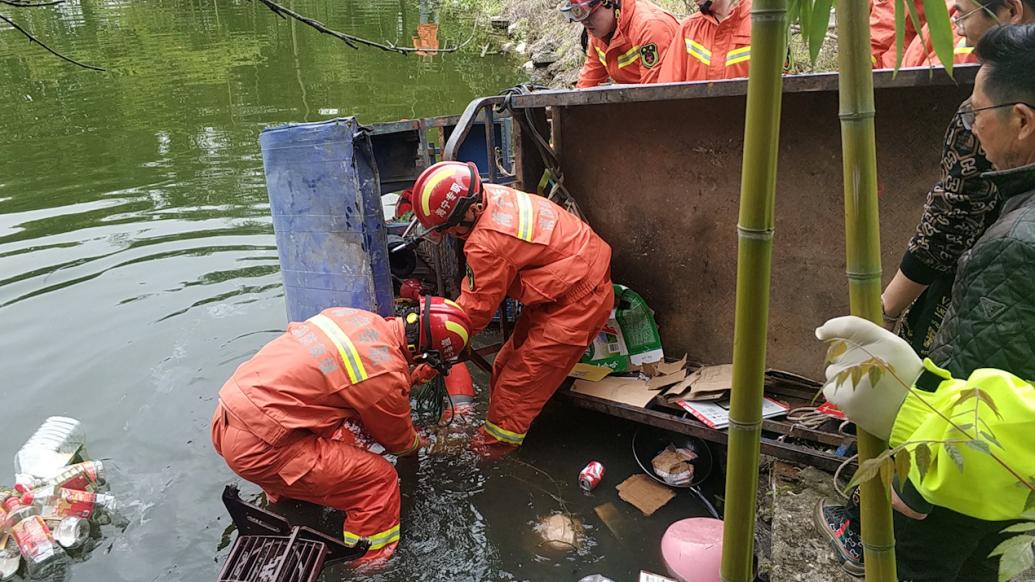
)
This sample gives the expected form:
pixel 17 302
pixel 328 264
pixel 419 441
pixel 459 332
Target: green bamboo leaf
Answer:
pixel 940 30
pixel 867 470
pixel 1016 559
pixel 991 438
pixel 981 396
pixel 835 351
pixel 815 397
pixel 857 374
pixel 980 446
pixel 874 375
pixel 792 14
pixel 819 22
pixel 1019 528
pixel 804 15
pixel 903 464
pixel 955 455
pixel 922 454
pixel 964 396
pixel 962 428
pixel 887 473
pixel 843 376
pixel 989 401
pixel 1029 503
pixel 900 33
pixel 1015 541
pixel 914 17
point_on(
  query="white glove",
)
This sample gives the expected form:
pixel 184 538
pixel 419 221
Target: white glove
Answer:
pixel 875 407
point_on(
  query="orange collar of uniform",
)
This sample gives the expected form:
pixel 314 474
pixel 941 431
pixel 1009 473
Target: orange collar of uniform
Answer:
pixel 624 17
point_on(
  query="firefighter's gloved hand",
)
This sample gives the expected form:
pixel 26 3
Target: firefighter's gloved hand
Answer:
pixel 422 374
pixel 875 407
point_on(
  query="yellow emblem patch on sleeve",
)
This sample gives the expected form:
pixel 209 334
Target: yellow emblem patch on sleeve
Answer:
pixel 649 55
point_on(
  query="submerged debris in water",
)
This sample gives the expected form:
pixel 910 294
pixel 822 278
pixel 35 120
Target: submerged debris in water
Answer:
pixel 560 532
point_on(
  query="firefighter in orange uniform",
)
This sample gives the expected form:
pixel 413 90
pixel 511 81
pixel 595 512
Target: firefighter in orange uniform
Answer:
pixel 882 31
pixel 712 44
pixel 528 248
pixel 278 415
pixel 920 53
pixel 626 38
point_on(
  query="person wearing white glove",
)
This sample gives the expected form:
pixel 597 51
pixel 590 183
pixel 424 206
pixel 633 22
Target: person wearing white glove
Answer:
pixel 872 408
pixel 948 519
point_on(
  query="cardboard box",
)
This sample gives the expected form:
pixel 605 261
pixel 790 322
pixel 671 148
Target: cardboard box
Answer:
pixel 644 493
pixel 705 383
pixel 589 372
pixel 632 391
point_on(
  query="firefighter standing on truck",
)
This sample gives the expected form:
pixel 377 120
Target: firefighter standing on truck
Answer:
pixel 280 415
pixel 626 39
pixel 711 44
pixel 528 248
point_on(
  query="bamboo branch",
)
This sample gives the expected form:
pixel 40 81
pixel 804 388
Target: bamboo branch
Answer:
pixel 33 39
pixel 351 39
pixel 911 391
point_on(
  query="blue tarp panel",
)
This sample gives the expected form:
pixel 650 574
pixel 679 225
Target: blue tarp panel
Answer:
pixel 326 207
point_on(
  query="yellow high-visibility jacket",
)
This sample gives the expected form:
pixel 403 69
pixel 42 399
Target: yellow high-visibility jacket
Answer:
pixel 996 411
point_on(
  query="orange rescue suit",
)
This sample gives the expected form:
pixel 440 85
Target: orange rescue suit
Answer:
pixel 278 412
pixel 921 54
pixel 882 31
pixel 708 50
pixel 642 34
pixel 528 248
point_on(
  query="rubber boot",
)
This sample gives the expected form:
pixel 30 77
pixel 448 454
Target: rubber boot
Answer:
pixel 488 447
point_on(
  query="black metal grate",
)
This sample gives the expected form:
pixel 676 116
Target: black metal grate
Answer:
pixel 273 559
pixel 269 549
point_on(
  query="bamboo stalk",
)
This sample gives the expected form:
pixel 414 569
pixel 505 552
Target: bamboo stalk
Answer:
pixel 862 247
pixel 754 259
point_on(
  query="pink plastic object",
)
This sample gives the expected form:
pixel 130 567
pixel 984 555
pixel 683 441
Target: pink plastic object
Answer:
pixel 692 549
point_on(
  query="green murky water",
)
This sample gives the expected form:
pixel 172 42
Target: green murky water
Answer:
pixel 138 268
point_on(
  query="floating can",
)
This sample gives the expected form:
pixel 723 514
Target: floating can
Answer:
pixel 71 532
pixel 590 477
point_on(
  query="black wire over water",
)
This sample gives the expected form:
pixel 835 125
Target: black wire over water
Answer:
pixel 430 401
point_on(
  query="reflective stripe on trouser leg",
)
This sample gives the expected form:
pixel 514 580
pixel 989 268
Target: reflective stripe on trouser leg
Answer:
pixel 555 338
pixel 363 485
pixel 377 541
pixel 503 435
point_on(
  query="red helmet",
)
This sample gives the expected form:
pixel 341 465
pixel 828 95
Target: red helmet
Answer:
pixel 404 204
pixel 439 334
pixel 443 193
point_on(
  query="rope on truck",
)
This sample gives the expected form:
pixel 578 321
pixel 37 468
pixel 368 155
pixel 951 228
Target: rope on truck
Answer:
pixel 552 185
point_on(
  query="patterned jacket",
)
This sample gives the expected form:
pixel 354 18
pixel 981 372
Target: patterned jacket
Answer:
pixel 960 206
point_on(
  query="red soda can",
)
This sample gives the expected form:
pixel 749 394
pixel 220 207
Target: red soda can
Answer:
pixel 590 477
